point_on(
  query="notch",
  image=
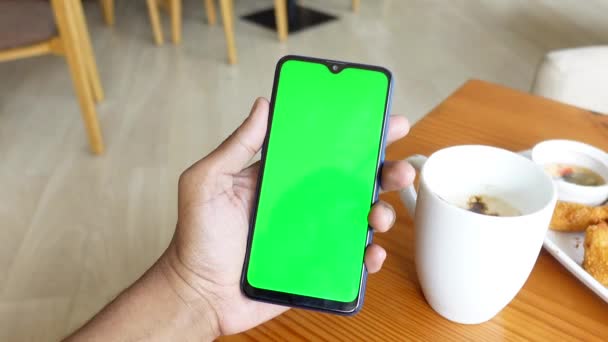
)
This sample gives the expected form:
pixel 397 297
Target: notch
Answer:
pixel 335 67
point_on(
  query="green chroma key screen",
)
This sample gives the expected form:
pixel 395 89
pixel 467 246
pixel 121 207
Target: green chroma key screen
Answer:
pixel 317 187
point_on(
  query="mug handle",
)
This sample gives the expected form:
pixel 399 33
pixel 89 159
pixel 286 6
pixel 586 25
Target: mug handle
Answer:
pixel 409 195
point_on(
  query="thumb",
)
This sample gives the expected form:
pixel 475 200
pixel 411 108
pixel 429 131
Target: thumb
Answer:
pixel 238 149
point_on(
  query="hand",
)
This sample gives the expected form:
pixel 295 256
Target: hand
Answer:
pixel 216 195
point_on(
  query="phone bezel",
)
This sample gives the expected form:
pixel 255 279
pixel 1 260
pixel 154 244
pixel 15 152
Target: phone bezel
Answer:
pixel 295 300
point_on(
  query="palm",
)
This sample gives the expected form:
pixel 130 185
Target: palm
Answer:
pixel 218 254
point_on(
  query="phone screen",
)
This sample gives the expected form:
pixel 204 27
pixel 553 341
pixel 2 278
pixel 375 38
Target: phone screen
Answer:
pixel 318 179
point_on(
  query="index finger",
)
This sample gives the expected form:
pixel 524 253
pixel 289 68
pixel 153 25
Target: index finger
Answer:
pixel 398 127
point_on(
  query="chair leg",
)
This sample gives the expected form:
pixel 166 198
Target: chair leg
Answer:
pixel 84 41
pixel 356 4
pixel 210 10
pixel 280 13
pixel 67 26
pixel 155 21
pixel 175 8
pixel 107 7
pixel 227 13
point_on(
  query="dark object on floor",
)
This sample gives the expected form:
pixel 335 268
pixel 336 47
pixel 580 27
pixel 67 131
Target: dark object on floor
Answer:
pixel 299 18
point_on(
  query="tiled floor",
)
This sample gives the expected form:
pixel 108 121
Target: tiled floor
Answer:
pixel 76 229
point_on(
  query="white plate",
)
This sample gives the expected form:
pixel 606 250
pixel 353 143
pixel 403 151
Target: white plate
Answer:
pixel 568 249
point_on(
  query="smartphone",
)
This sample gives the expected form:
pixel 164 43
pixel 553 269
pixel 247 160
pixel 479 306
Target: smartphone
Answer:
pixel 319 176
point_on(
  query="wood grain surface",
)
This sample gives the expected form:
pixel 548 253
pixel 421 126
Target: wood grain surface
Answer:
pixel 553 304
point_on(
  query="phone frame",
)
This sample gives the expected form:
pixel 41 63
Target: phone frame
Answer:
pixel 294 300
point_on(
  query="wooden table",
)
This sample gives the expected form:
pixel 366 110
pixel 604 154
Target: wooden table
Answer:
pixel 553 305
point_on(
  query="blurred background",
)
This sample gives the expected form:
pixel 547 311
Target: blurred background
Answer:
pixel 85 209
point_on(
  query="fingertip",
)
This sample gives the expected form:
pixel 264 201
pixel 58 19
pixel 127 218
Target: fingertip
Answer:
pixel 260 105
pixel 381 217
pixel 397 175
pixel 261 99
pixel 398 127
pixel 407 174
pixel 258 119
pixel 404 123
pixel 381 253
pixel 403 175
pixel 242 145
pixel 374 258
pixel 410 174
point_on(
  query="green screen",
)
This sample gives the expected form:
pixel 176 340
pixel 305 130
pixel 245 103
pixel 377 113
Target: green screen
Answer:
pixel 311 227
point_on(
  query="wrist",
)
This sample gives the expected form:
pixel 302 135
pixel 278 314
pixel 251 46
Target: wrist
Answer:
pixel 195 302
pixel 159 306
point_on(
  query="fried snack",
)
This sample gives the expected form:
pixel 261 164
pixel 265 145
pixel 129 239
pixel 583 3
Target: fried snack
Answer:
pixel 574 217
pixel 596 252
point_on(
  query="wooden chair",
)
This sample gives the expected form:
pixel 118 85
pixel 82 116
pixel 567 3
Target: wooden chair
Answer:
pixel 34 27
pixel 107 7
pixel 174 9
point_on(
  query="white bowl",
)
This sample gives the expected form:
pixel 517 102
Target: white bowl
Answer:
pixel 580 154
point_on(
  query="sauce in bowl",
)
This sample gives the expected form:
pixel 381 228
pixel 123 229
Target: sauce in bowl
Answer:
pixel 574 174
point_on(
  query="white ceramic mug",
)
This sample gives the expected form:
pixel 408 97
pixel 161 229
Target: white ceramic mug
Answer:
pixel 470 266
